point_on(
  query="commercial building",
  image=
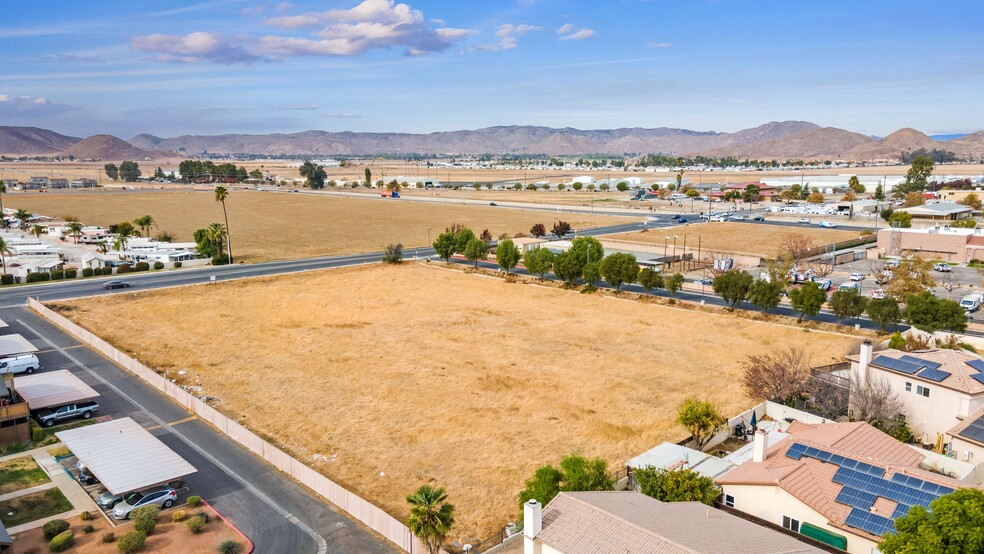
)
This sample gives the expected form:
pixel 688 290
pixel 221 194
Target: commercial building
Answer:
pixel 935 243
pixel 938 211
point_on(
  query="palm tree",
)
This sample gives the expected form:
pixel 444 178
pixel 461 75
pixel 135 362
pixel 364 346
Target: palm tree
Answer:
pixel 122 240
pixel 4 250
pixel 221 193
pixel 37 231
pixel 216 234
pixel 431 517
pixel 74 229
pixel 22 216
pixel 145 222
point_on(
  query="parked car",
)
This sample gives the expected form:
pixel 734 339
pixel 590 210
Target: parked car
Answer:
pixel 26 363
pixel 116 285
pixel 758 218
pixel 803 220
pixel 824 284
pixel 892 264
pixel 705 282
pixel 718 218
pixel 848 287
pixel 108 500
pixel 86 477
pixel 827 225
pixel 943 267
pixel 492 204
pixel 737 218
pixel 878 294
pixel 857 276
pixel 47 417
pixel 161 496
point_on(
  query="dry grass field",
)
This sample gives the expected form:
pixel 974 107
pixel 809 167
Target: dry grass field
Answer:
pixel 389 377
pixel 738 238
pixel 272 226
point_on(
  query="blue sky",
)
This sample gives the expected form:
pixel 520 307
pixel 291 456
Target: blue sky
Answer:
pixel 231 66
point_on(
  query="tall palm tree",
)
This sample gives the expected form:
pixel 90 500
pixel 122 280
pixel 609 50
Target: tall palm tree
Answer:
pixel 145 222
pixel 221 193
pixel 37 231
pixel 122 240
pixel 431 517
pixel 22 216
pixel 4 250
pixel 74 229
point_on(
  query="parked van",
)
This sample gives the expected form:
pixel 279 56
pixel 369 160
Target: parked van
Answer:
pixel 27 363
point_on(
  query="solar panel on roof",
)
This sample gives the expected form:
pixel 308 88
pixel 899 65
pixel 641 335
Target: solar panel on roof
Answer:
pixel 974 431
pixel 933 374
pixel 901 366
pixel 867 521
pixel 976 364
pixel 920 361
pixel 855 498
pixel 978 376
pixel 796 451
pixel 900 511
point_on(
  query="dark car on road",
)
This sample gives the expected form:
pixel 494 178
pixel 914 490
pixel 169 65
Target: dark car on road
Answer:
pixel 758 218
pixel 115 285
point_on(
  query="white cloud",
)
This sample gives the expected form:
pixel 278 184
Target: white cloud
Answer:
pixel 507 34
pixel 370 25
pixel 342 115
pixel 660 44
pixel 253 10
pixel 569 31
pixel 74 58
pixel 13 106
pixel 565 28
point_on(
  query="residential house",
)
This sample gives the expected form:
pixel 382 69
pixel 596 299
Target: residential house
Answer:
pixel 11 184
pixel 766 192
pixel 630 522
pixel 57 183
pixel 24 268
pixel 83 183
pixel 843 484
pixel 38 182
pixel 966 439
pixel 670 456
pixel 938 388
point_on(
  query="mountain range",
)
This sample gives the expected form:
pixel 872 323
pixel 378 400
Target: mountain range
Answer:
pixel 775 140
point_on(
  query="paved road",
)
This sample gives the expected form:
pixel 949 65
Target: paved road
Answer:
pixel 277 514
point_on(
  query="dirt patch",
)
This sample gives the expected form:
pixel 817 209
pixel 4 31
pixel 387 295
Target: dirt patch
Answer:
pixel 34 506
pixel 385 378
pixel 21 473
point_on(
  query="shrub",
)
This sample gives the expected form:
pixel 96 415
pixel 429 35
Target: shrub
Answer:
pixel 203 515
pixel 145 525
pixel 123 268
pixel 142 266
pixel 85 516
pixel 88 529
pixel 37 435
pixel 177 264
pixel 33 277
pixel 194 501
pixel 71 273
pixel 158 265
pixel 45 276
pixel 220 259
pixel 109 537
pixel 87 272
pixel 393 253
pixel 178 516
pixel 57 275
pixel 145 518
pixel 230 547
pixel 131 542
pixel 95 271
pixel 196 524
pixel 54 528
pixel 62 542
pixel 6 279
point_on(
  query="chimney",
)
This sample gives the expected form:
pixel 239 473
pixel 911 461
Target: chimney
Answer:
pixel 865 359
pixel 759 445
pixel 532 525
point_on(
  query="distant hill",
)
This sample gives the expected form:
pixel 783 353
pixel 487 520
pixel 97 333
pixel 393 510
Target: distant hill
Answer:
pixel 968 145
pixel 894 144
pixel 107 148
pixel 815 143
pixel 32 141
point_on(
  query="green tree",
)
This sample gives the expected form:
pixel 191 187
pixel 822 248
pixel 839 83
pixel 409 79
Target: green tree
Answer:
pixel 221 193
pixel 673 283
pixel 445 246
pixel 538 261
pixel 678 485
pixel 847 303
pixel 145 223
pixel 4 252
pixel 576 473
pixel 587 250
pixel 37 230
pixel 542 487
pixel 884 312
pixel 917 178
pixel 886 214
pixel 880 193
pixel 22 215
pixel 954 524
pixel 368 175
pixel 577 186
pixel 74 229
pixel 928 313
pixel 112 171
pixel 591 273
pixel 701 419
pixel 855 185
pixel 567 268
pixel 912 276
pixel 751 193
pixel 462 237
pixel 815 198
pixel 765 294
pixel 650 279
pixel 808 299
pixel 507 254
pixel 733 286
pixel 129 171
pixel 315 175
pixel 476 250
pixel 431 516
pixel 622 186
pixel 971 200
pixel 619 268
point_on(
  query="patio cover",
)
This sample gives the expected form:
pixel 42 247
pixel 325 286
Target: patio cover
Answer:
pixel 3 324
pixel 11 345
pixel 124 456
pixel 52 388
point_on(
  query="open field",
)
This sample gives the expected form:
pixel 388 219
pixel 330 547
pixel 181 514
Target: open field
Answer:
pixel 273 226
pixel 737 238
pixel 389 377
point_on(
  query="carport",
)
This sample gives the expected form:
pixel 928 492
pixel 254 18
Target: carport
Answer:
pixel 12 345
pixel 53 388
pixel 124 456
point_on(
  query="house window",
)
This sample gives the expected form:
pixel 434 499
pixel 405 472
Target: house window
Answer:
pixel 729 501
pixel 791 524
pixel 908 386
pixel 922 391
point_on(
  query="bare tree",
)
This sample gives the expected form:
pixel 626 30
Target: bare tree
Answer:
pixel 822 266
pixel 796 247
pixel 778 376
pixel 949 281
pixel 874 400
pixel 828 394
pixel 878 272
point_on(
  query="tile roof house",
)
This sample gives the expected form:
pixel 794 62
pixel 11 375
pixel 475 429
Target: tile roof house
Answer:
pixel 633 523
pixel 841 483
pixel 966 438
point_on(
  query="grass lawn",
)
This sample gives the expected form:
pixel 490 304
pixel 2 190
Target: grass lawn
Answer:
pixel 385 378
pixel 277 226
pixel 48 438
pixel 737 238
pixel 21 473
pixel 33 506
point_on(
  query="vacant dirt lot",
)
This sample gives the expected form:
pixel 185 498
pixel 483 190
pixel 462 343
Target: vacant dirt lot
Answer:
pixel 276 226
pixel 386 378
pixel 738 238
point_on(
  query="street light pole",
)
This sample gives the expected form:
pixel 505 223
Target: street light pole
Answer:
pixel 665 239
pixel 674 249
